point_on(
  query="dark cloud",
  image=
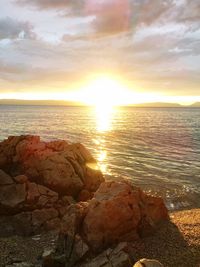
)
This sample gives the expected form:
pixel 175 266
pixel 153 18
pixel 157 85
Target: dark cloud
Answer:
pixel 13 29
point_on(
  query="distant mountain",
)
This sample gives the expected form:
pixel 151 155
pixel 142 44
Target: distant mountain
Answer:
pixel 71 103
pixel 38 102
pixel 196 105
pixel 158 105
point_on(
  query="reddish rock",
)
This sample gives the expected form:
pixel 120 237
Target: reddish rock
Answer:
pixel 37 178
pixel 153 211
pixel 85 195
pixel 56 165
pixel 56 173
pixel 58 145
pixel 116 212
pixel 21 179
pixel 113 215
pixel 92 179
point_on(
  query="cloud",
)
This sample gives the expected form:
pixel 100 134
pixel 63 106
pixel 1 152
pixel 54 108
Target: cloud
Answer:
pixel 74 5
pixel 109 16
pixel 150 43
pixel 189 11
pixel 14 29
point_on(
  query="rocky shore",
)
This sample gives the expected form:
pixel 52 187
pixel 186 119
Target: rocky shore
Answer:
pixel 56 209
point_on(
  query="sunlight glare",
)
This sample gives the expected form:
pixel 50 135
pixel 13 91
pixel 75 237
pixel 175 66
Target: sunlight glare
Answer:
pixel 104 116
pixel 105 92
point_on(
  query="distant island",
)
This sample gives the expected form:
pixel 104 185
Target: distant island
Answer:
pixel 38 102
pixel 71 103
pixel 158 105
pixel 197 105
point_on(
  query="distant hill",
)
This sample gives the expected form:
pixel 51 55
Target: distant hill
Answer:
pixel 158 105
pixel 197 105
pixel 38 102
pixel 71 103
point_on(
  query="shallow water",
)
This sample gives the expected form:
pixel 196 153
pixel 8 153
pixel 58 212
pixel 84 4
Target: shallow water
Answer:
pixel 157 148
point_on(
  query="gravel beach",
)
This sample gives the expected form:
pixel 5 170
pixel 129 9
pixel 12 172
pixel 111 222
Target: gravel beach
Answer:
pixel 175 244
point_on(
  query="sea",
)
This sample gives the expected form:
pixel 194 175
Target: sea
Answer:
pixel 157 149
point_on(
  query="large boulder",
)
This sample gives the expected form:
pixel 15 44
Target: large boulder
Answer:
pixel 62 167
pixel 120 212
pixel 39 180
pixel 11 196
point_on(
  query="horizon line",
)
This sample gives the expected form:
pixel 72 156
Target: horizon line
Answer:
pixel 53 102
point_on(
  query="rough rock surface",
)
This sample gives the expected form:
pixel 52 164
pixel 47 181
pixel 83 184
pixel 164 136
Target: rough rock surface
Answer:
pixel 120 212
pixel 42 185
pixel 38 180
pixel 116 257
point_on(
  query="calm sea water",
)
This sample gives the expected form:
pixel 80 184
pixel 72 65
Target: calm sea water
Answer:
pixel 157 148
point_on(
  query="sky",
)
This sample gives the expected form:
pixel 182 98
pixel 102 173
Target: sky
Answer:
pixel 50 49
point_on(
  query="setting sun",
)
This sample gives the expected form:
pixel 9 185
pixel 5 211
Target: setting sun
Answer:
pixel 105 92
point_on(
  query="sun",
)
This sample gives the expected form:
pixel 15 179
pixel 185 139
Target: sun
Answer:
pixel 105 92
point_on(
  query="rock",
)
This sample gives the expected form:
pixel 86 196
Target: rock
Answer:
pixel 69 251
pixel 16 224
pixel 57 165
pixel 5 179
pixel 81 153
pixel 22 223
pixel 56 173
pixel 113 215
pixel 58 145
pixel 110 258
pixel 41 217
pixel 11 196
pixel 85 195
pixel 73 219
pixel 40 196
pixel 21 179
pixel 33 193
pixel 53 224
pixel 39 180
pixel 148 263
pixel 153 212
pixel 116 213
pixel 92 179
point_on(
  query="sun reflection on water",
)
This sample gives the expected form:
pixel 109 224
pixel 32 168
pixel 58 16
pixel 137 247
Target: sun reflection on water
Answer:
pixel 104 116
